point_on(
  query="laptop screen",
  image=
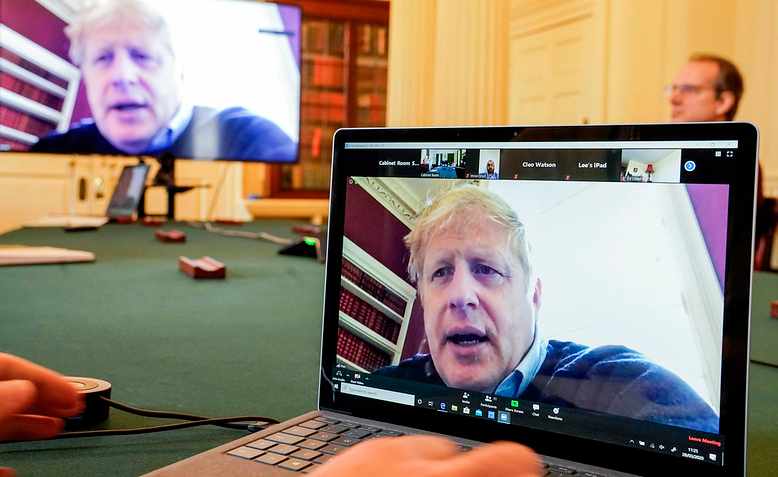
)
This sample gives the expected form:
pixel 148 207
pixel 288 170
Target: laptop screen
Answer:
pixel 571 287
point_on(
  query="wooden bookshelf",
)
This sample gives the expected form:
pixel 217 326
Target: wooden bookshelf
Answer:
pixel 375 308
pixel 37 91
pixel 343 78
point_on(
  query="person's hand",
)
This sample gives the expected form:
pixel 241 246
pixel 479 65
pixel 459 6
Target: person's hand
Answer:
pixel 426 456
pixel 33 401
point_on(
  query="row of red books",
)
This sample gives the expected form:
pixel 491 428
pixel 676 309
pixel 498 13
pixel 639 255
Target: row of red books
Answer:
pixel 351 271
pixel 323 37
pixel 325 72
pixel 369 316
pixel 373 287
pixel 323 113
pixel 32 67
pixel 316 142
pixel 324 98
pixel 360 352
pixel 372 100
pixel 24 122
pixel 372 40
pixel 372 77
pixel 370 117
pixel 31 92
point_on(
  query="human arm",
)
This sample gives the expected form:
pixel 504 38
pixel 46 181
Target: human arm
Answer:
pixel 427 456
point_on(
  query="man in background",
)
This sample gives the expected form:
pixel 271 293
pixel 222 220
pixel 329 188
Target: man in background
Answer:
pixel 708 88
pixel 134 84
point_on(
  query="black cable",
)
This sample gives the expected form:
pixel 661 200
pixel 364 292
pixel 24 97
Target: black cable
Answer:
pixel 259 422
pixel 166 427
pixel 764 363
pixel 150 413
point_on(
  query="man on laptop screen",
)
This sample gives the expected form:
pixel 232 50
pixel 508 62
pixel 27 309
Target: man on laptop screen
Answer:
pixel 471 261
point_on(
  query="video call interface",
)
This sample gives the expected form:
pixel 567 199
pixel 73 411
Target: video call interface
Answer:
pixel 587 311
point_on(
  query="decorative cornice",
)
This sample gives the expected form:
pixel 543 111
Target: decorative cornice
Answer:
pixel 391 200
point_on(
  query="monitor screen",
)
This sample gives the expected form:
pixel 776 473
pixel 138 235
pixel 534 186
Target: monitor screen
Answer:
pixel 200 79
pixel 573 289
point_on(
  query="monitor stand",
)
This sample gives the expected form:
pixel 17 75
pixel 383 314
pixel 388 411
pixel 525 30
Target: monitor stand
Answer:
pixel 165 177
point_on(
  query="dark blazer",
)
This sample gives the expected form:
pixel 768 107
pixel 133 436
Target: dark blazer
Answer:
pixel 232 133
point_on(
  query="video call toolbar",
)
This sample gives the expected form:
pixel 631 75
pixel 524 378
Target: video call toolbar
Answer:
pixel 667 440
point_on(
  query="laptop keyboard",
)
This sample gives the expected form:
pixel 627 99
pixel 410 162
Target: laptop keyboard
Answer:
pixel 305 446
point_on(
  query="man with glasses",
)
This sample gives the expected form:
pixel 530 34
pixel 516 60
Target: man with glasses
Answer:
pixel 707 88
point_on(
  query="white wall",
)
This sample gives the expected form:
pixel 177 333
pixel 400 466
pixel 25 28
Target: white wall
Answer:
pixel 607 261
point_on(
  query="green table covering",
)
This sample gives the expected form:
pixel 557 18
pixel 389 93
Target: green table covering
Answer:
pixel 764 329
pixel 245 345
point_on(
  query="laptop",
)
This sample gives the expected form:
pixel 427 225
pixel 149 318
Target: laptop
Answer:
pixel 589 299
pixel 128 192
pixel 122 205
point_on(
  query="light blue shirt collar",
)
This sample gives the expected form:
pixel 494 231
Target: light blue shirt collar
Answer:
pixel 167 136
pixel 516 382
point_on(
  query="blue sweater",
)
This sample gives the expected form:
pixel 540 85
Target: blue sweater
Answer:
pixel 232 133
pixel 610 379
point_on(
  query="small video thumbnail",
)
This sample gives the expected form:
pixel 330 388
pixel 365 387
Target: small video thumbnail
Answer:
pixel 651 165
pixel 489 164
pixel 449 163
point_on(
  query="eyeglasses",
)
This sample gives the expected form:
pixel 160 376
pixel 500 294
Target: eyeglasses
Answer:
pixel 685 89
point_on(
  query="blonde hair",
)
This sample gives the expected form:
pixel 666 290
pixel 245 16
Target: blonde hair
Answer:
pixel 461 207
pixel 95 13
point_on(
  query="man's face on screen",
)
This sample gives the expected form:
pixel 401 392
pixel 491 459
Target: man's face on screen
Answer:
pixel 478 315
pixel 490 167
pixel 132 83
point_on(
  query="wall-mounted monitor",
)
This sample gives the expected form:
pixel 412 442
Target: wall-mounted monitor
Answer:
pixel 197 79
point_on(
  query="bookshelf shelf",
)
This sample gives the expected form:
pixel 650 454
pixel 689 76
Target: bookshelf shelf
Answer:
pixel 38 93
pixel 350 286
pixel 375 309
pixel 367 334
